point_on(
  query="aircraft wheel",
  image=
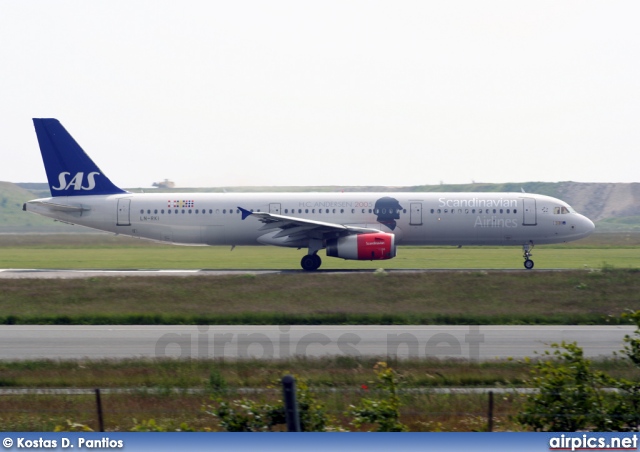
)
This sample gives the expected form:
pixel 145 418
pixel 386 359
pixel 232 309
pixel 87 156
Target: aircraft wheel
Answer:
pixel 310 262
pixel 528 264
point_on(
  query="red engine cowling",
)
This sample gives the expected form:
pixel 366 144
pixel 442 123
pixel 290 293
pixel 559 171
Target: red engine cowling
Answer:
pixel 363 247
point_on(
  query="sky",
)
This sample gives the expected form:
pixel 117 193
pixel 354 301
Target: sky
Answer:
pixel 345 93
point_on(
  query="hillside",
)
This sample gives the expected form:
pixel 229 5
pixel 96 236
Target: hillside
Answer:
pixel 14 220
pixel 613 207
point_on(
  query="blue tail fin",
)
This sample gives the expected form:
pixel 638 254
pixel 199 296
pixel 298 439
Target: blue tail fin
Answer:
pixel 69 169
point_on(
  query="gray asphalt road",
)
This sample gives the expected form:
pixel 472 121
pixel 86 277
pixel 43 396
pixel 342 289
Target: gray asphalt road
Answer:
pixel 17 273
pixel 273 342
pixel 26 273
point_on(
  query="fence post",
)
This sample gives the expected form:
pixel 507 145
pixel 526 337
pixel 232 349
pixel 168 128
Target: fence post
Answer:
pixel 490 414
pixel 290 404
pixel 99 405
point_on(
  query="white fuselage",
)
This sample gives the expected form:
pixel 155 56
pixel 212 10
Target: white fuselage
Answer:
pixel 414 218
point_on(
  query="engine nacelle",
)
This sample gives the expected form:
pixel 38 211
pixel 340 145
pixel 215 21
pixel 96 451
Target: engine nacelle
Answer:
pixel 363 247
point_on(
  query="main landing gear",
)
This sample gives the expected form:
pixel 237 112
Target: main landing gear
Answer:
pixel 310 262
pixel 528 263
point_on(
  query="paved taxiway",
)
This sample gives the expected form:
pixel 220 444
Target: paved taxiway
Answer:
pixel 273 342
pixel 27 273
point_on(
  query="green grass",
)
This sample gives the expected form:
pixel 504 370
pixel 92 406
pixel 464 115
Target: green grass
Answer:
pixel 475 297
pixel 327 372
pixel 102 251
pixel 602 284
pixel 158 390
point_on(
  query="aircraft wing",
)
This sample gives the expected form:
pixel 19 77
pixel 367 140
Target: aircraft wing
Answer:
pixel 294 228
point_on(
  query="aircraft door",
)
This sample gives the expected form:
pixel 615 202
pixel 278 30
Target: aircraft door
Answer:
pixel 275 207
pixel 529 212
pixel 415 215
pixel 124 212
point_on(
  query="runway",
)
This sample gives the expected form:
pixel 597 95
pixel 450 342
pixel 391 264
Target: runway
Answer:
pixel 32 273
pixel 21 342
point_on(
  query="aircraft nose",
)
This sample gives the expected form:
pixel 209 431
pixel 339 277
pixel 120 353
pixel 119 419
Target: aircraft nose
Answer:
pixel 587 226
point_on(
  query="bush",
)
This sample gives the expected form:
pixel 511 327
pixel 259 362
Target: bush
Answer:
pixel 384 411
pixel 572 396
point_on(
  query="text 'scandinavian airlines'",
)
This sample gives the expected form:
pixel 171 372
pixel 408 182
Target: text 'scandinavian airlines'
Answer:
pixel 358 226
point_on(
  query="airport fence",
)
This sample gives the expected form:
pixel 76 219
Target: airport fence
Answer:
pixel 188 409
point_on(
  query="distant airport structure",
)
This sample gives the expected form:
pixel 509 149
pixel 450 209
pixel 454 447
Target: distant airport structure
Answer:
pixel 164 184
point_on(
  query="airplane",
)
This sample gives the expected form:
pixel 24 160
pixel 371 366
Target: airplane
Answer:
pixel 353 226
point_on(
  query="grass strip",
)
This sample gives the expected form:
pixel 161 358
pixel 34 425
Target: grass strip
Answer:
pixel 576 297
pixel 318 319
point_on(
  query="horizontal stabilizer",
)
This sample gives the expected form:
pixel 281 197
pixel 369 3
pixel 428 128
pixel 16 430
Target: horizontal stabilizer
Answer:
pixel 59 207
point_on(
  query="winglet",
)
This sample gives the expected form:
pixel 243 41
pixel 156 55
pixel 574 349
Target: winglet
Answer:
pixel 245 212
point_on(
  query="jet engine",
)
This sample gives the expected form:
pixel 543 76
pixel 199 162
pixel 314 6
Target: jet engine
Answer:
pixel 363 247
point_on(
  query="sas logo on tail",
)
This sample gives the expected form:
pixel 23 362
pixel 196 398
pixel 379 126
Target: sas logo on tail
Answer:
pixel 77 181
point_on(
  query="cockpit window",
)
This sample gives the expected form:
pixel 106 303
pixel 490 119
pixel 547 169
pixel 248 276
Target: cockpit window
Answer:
pixel 561 210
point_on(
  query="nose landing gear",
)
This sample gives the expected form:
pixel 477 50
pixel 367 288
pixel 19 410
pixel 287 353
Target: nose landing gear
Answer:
pixel 528 263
